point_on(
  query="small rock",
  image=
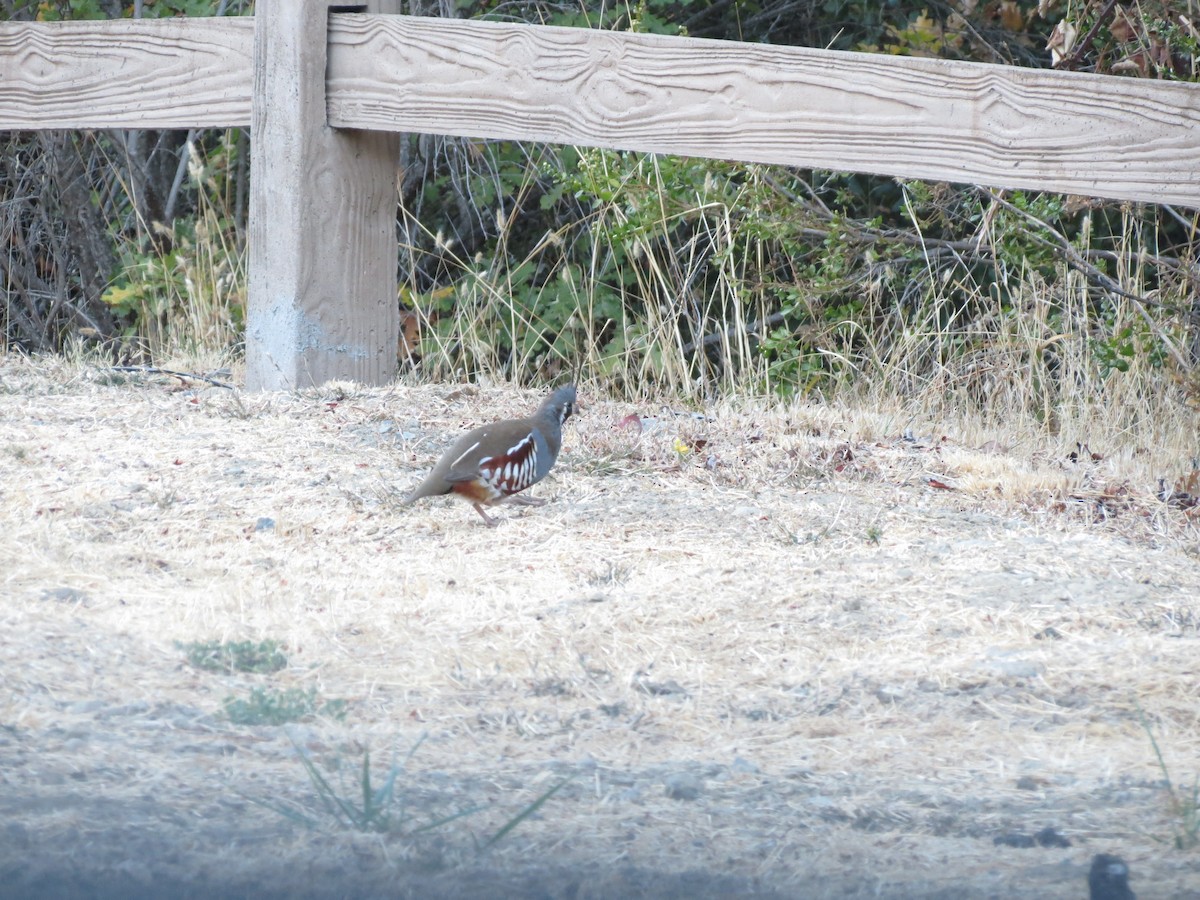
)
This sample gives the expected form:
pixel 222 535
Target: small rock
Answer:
pixel 65 595
pixel 683 787
pixel 1050 837
pixel 1017 668
pixel 889 695
pixel 1008 663
pixel 1047 837
pixel 662 688
pixel 799 774
pixel 760 715
pixel 265 523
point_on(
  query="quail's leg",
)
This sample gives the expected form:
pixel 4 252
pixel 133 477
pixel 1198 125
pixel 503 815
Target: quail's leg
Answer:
pixel 490 521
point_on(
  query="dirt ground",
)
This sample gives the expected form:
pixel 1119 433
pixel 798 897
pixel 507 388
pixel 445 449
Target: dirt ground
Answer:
pixel 789 652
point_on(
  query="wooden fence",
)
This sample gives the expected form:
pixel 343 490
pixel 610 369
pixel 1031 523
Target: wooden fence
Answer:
pixel 326 89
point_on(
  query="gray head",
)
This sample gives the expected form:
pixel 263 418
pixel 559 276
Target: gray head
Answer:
pixel 560 405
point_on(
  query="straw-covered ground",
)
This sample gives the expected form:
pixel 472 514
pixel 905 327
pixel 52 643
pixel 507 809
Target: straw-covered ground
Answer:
pixel 793 651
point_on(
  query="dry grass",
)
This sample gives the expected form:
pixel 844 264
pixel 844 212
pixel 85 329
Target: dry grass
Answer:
pixel 866 676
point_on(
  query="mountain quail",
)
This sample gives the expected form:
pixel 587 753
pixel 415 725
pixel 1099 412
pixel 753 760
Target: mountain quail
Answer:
pixel 494 462
pixel 1109 879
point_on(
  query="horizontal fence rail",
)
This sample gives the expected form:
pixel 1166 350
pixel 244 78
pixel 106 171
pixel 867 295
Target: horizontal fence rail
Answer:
pixel 1099 135
pixel 126 73
pixel 1122 138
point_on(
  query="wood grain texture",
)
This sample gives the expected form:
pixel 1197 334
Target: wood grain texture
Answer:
pixel 126 73
pixel 968 122
pixel 322 291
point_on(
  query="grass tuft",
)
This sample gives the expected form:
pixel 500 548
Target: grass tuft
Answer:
pixel 228 657
pixel 366 805
pixel 268 706
pixel 1183 803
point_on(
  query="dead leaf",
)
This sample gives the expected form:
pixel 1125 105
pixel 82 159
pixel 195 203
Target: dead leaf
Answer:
pixel 1122 27
pixel 842 456
pixel 1011 16
pixel 1186 494
pixel 410 336
pixel 1082 452
pixel 633 421
pixel 1160 54
pixel 1136 62
pixel 1062 41
pixel 467 390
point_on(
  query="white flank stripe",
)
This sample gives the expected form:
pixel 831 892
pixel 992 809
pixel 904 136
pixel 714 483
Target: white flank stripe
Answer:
pixel 465 454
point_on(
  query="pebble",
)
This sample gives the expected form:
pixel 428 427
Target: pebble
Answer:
pixel 65 595
pixel 683 787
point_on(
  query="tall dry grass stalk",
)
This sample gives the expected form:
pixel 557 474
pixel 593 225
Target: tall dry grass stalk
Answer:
pixel 1036 368
pixel 184 284
pixel 611 294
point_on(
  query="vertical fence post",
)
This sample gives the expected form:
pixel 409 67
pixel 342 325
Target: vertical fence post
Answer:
pixel 322 280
